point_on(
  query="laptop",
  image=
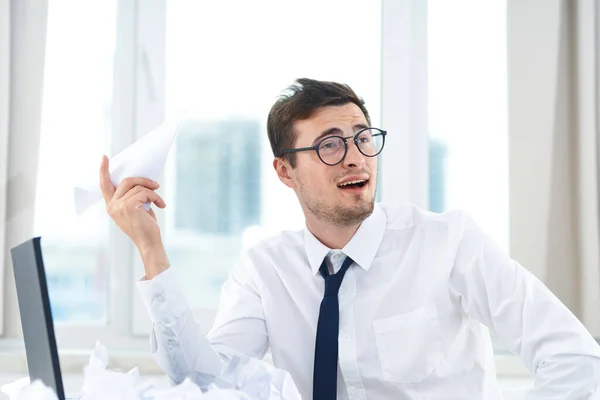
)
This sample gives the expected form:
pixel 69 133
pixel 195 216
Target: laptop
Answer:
pixel 36 315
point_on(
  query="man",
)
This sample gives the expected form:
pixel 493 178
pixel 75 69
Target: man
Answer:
pixel 370 301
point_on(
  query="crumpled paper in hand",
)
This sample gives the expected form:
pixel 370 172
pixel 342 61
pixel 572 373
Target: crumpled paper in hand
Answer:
pixel 145 158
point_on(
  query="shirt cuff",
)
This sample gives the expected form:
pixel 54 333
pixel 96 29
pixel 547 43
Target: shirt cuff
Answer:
pixel 163 297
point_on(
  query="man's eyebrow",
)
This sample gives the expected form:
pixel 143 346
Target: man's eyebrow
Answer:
pixel 328 132
pixel 338 132
pixel 358 127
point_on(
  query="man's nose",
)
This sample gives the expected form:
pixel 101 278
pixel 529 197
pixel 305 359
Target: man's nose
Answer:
pixel 354 158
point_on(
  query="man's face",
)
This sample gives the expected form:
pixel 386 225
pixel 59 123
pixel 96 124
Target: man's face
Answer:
pixel 317 185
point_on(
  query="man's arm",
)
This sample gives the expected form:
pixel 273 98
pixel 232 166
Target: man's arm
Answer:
pixel 177 342
pixel 178 345
pixel 525 316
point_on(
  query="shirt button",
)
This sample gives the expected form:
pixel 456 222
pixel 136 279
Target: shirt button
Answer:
pixel 160 298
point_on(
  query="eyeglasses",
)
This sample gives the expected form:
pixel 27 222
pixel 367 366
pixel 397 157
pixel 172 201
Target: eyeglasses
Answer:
pixel 332 149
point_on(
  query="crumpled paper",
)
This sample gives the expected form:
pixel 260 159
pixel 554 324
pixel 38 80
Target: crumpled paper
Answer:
pixel 252 380
pixel 258 380
pixel 23 389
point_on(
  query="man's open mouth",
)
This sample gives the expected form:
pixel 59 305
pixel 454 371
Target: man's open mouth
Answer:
pixel 353 184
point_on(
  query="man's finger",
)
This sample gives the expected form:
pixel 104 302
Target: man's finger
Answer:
pixel 144 195
pixel 151 212
pixel 128 183
pixel 134 191
pixel 106 186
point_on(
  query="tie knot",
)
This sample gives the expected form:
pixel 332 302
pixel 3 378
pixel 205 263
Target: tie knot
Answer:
pixel 333 282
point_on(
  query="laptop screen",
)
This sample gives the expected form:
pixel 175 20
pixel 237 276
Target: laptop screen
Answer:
pixel 36 315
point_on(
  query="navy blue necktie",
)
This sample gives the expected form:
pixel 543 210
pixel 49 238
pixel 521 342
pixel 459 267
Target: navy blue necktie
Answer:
pixel 326 347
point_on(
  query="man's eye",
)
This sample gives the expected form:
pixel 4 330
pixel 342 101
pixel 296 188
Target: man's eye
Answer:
pixel 330 144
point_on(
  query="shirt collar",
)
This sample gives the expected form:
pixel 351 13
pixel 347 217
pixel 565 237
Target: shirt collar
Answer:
pixel 361 248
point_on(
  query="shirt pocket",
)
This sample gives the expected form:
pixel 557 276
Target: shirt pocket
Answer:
pixel 409 345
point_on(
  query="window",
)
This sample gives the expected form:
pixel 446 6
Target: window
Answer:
pixel 221 190
pixel 468 120
pixel 218 165
pixel 75 131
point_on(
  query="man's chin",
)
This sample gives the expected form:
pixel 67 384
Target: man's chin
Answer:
pixel 349 211
pixel 356 213
pixel 361 202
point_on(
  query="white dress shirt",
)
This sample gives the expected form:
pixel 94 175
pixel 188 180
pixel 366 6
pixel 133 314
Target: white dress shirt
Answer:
pixel 416 311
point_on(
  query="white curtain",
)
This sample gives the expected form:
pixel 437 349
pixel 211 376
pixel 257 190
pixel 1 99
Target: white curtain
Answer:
pixel 22 50
pixel 553 53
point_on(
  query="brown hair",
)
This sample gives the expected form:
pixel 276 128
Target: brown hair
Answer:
pixel 300 101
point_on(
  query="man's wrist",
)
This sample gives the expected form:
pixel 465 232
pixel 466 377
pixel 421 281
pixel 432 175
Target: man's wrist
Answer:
pixel 155 260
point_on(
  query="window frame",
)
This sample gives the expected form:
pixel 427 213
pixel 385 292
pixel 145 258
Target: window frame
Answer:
pixel 405 175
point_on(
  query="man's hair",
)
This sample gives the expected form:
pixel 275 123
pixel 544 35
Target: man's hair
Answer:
pixel 300 101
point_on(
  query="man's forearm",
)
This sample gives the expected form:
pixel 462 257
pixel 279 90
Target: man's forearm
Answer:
pixel 155 260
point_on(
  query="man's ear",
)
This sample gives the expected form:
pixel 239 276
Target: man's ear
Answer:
pixel 283 169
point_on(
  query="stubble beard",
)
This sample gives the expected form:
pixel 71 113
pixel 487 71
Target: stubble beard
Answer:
pixel 338 215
